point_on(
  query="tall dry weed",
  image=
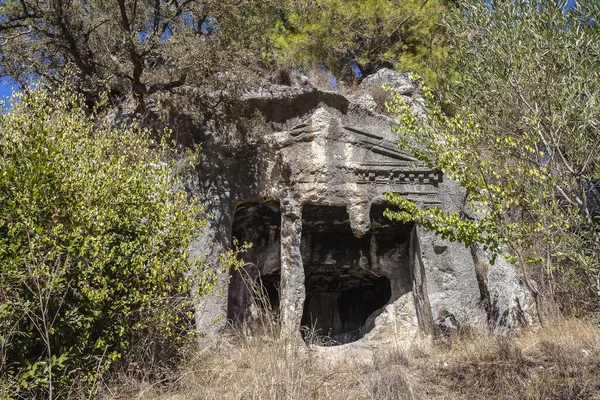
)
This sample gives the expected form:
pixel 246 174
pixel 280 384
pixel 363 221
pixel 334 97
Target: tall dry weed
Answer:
pixel 560 361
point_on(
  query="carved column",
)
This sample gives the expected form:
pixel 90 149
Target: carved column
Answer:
pixel 292 271
pixel 417 273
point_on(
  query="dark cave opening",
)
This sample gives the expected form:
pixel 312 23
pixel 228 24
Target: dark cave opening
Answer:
pixel 348 279
pixel 269 294
pixel 257 283
pixel 339 315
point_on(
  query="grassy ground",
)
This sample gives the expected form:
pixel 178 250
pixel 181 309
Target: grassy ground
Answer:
pixel 561 361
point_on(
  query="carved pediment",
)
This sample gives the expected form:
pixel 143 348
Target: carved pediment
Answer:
pixel 368 155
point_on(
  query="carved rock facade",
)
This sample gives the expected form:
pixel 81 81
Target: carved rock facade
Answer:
pixel 308 191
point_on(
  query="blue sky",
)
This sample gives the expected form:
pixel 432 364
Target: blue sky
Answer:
pixel 6 88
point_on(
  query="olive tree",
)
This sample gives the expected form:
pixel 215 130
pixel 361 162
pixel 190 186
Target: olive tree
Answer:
pixel 522 138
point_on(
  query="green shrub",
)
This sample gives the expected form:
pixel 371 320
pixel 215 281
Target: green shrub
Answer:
pixel 94 227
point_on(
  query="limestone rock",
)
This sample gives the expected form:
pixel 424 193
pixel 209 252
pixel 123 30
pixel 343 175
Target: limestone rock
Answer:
pixel 367 101
pixel 308 190
pixel 447 325
pixel 509 303
pixel 401 82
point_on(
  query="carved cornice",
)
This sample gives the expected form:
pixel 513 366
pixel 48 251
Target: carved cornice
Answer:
pixel 384 175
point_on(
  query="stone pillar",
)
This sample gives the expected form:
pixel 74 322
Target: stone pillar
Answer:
pixel 451 279
pixel 509 303
pixel 292 271
pixel 213 240
pixel 419 283
pixel 452 285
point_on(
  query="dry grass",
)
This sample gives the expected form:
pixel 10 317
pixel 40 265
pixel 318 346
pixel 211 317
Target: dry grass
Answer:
pixel 557 362
pixel 561 361
pixel 266 368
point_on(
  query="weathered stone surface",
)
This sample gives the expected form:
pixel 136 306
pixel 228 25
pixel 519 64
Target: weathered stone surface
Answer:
pixel 308 189
pixel 401 83
pixel 447 325
pixel 292 271
pixel 451 280
pixel 508 303
pixel 367 101
pixel 214 240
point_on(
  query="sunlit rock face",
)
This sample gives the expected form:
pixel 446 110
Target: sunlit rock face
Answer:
pixel 308 191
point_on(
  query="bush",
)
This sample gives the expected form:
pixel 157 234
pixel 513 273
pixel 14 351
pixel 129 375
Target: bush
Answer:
pixel 94 228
